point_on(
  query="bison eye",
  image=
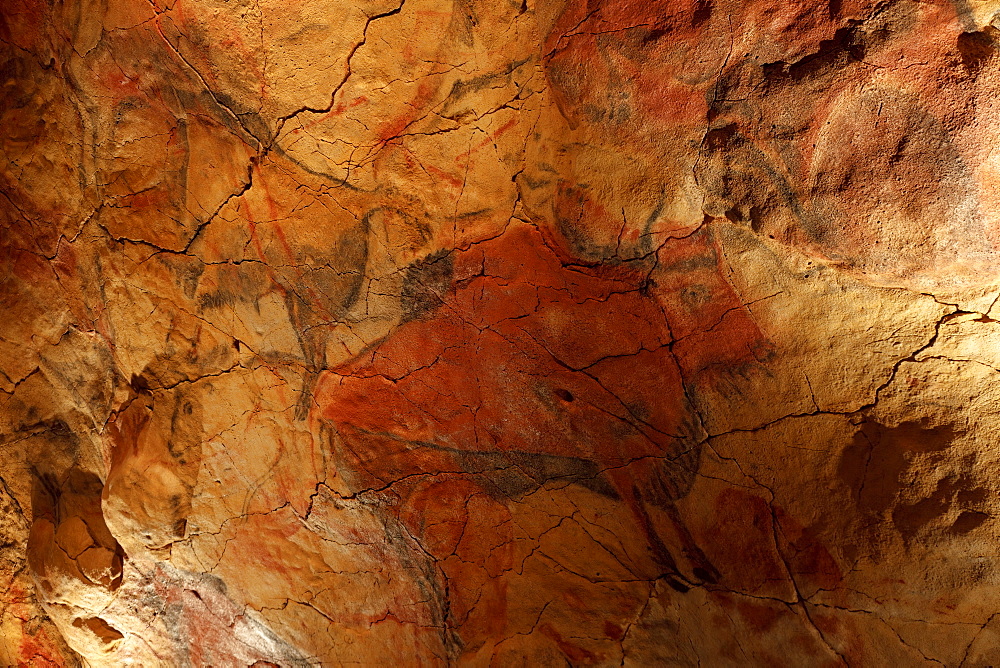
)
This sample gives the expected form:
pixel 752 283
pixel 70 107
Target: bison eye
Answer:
pixel 565 395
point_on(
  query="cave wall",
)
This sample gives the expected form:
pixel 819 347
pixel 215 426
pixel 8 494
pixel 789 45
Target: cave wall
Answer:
pixel 522 332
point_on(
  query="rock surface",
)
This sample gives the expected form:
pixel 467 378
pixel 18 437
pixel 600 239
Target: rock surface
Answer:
pixel 523 332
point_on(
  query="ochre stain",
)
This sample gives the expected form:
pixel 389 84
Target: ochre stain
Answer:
pixel 530 353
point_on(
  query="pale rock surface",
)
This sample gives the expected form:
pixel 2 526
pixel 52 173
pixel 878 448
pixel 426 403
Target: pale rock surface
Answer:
pixel 522 332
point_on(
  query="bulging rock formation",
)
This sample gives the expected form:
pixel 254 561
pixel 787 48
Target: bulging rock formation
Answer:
pixel 521 332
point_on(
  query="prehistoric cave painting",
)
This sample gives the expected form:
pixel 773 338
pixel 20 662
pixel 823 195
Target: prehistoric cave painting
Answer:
pixel 867 168
pixel 300 253
pixel 201 149
pixel 36 645
pixel 206 627
pixel 616 44
pixel 533 369
pixel 478 245
pixel 827 148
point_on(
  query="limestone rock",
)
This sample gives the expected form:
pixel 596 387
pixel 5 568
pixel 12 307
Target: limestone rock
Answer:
pixel 525 332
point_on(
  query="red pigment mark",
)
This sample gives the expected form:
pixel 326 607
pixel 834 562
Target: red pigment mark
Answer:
pixel 65 261
pixel 708 321
pixel 715 333
pixel 754 555
pixel 29 267
pixel 440 512
pixel 24 23
pixel 582 67
pixel 809 560
pixel 574 653
pixel 425 92
pixel 530 354
pixel 517 358
pixel 39 650
pixel 452 180
pixel 741 544
pixel 487 141
pixel 613 631
pixel 35 648
pixel 336 111
pixel 287 254
pixel 155 199
pixel 123 86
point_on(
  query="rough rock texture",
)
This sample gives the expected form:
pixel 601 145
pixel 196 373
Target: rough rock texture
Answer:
pixel 508 332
